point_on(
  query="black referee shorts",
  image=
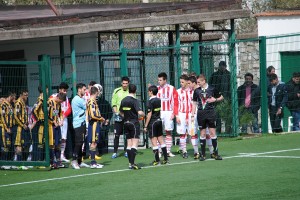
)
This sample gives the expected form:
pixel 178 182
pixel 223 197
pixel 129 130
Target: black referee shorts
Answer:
pixel 206 118
pixel 79 134
pixel 132 129
pixel 155 128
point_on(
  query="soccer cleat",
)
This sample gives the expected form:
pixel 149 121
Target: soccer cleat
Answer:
pixel 196 156
pixel 135 167
pixel 114 156
pixel 217 157
pixel 155 163
pixel 64 159
pixel 171 155
pixel 185 155
pixel 165 162
pixel 96 157
pixel 60 165
pixel 54 166
pixel 5 167
pixel 126 155
pixel 83 165
pixel 202 158
pixel 75 164
pixel 23 168
pixel 213 155
pixel 96 166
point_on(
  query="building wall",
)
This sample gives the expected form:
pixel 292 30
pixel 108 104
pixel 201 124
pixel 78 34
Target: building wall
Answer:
pixel 50 46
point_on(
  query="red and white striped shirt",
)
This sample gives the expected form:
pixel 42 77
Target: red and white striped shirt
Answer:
pixel 185 101
pixel 65 106
pixel 87 96
pixel 169 98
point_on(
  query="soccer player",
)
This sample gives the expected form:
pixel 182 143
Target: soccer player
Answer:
pixel 183 120
pixel 6 125
pixel 119 94
pixel 153 125
pixel 79 120
pixel 66 111
pixel 169 107
pixel 22 139
pixel 204 98
pixel 131 110
pixel 94 119
pixel 87 94
pixel 55 116
pixel 38 115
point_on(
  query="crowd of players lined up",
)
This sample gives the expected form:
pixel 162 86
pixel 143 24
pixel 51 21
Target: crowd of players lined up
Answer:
pixel 192 106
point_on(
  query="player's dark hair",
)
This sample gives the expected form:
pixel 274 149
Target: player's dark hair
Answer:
pixel 184 77
pixel 153 89
pixel 193 79
pixel 163 75
pixel 125 78
pixel 270 68
pixel 296 74
pixel 92 83
pixel 63 85
pixel 80 85
pixel 248 74
pixel 132 88
pixel 22 91
pixel 62 96
pixel 9 94
pixel 273 77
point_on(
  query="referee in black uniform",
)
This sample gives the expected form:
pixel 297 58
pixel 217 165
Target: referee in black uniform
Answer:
pixel 131 110
pixel 204 98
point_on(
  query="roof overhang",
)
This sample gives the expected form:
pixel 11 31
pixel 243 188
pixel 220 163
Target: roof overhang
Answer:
pixel 81 20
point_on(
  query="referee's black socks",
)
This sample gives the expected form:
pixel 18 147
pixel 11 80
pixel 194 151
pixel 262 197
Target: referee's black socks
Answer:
pixel 203 145
pixel 215 145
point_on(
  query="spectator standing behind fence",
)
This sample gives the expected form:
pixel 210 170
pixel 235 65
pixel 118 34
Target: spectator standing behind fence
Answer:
pixel 220 80
pixel 293 103
pixel 277 100
pixel 249 97
pixel 119 94
pixel 270 70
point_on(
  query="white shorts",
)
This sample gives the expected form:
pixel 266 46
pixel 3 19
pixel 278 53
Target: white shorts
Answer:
pixel 185 127
pixel 64 129
pixel 168 123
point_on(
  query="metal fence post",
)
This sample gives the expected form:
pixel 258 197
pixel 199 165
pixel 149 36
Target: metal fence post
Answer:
pixel 263 83
pixel 62 58
pixel 123 55
pixel 73 63
pixel 233 80
pixel 178 57
pixel 195 58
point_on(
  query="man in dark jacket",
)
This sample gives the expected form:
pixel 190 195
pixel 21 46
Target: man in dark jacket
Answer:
pixel 277 100
pixel 220 80
pixel 249 97
pixel 293 103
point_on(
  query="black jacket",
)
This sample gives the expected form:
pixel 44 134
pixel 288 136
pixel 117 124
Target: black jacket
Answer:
pixel 255 97
pixel 281 95
pixel 221 81
pixel 293 103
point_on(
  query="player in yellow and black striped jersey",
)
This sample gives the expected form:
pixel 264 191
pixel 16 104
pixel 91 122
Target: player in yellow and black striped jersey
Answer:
pixel 38 115
pixel 22 138
pixel 94 118
pixel 6 124
pixel 55 117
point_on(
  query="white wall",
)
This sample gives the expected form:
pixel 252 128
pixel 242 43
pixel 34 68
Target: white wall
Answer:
pixel 278 25
pixel 50 46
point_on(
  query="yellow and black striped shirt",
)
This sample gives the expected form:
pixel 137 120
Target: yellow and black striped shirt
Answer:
pixel 20 113
pixel 37 110
pixel 93 111
pixel 7 115
pixel 54 111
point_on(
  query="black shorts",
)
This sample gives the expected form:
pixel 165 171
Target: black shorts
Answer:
pixel 206 118
pixel 155 128
pixel 79 134
pixel 118 128
pixel 132 130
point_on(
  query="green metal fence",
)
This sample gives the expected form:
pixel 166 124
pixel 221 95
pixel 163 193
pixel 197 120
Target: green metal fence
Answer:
pixel 18 76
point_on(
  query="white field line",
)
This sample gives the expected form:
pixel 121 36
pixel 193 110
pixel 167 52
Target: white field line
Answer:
pixel 243 155
pixel 296 157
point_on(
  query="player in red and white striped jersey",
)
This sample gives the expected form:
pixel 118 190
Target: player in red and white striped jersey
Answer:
pixel 66 111
pixel 184 123
pixel 169 107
